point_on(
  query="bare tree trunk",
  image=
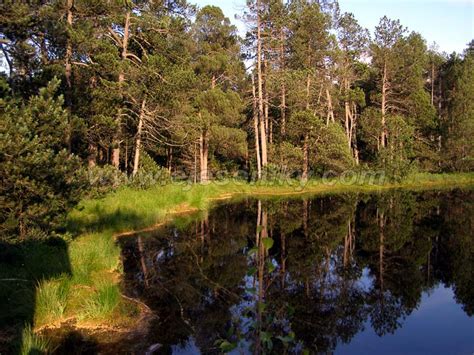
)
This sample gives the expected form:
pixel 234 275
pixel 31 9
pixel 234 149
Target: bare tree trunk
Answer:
pixel 170 160
pixel 263 135
pixel 305 158
pixel 266 107
pixel 101 155
pixel 201 150
pixel 432 83
pixel 308 91
pixel 205 156
pixel 353 138
pixel 255 127
pixel 204 152
pixel 283 84
pixel 125 163
pixel 383 136
pixel 304 176
pixel 283 110
pixel 121 79
pixel 195 163
pixel 68 70
pixel 270 131
pixel 347 123
pixel 68 57
pixel 347 115
pixel 92 158
pixel 213 82
pixel 138 142
pixel 330 114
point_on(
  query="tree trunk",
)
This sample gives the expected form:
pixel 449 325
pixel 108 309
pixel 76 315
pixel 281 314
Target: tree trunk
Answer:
pixel 347 114
pixel 263 136
pixel 283 83
pixel 206 156
pixel 308 91
pixel 68 71
pixel 92 158
pixel 68 57
pixel 383 135
pixel 270 131
pixel 266 108
pixel 195 163
pixel 330 114
pixel 347 125
pixel 255 127
pixel 305 158
pixel 204 153
pixel 283 110
pixel 138 142
pixel 121 79
pixel 353 137
pixel 213 82
pixel 432 83
pixel 170 160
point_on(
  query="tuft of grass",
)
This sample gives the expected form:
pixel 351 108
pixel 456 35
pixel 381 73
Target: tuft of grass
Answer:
pixel 33 343
pixel 51 300
pixel 102 303
pixel 92 255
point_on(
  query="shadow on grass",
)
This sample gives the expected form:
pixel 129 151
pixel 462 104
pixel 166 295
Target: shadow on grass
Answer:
pixel 98 219
pixel 23 266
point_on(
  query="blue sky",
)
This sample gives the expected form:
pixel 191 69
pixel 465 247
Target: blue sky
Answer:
pixel 449 23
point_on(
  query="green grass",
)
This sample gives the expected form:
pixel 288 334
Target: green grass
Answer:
pixel 102 303
pixel 51 299
pixel 91 293
pixel 33 343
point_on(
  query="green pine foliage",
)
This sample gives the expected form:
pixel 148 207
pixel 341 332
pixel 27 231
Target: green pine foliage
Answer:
pixel 40 181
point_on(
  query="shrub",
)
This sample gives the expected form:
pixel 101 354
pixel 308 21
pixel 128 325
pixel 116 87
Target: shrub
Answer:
pixel 105 179
pixel 150 173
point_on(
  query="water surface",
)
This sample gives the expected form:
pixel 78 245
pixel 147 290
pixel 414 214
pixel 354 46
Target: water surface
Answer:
pixel 388 273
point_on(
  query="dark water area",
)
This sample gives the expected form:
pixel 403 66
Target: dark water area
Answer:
pixel 389 273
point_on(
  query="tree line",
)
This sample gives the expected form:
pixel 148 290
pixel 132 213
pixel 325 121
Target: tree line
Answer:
pixel 152 90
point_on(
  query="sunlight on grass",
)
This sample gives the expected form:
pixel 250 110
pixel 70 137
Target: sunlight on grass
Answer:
pixel 51 299
pixel 102 303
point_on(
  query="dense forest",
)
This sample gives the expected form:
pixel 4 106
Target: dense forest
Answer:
pixel 97 94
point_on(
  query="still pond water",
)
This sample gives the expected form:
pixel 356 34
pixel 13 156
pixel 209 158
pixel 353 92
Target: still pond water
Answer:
pixel 388 273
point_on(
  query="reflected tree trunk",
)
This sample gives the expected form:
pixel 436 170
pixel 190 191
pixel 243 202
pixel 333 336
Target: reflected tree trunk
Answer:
pixel 141 249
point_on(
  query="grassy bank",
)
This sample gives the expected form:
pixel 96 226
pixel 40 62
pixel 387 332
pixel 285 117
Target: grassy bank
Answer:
pixel 89 293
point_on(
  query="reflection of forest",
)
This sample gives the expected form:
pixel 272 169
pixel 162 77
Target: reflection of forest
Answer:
pixel 328 266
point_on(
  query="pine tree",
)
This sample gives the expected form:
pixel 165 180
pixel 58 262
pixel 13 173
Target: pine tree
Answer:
pixel 39 180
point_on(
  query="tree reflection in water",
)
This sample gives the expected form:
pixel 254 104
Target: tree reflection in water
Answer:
pixel 286 276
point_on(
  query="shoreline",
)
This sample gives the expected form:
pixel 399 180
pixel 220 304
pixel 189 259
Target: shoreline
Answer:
pixel 99 223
